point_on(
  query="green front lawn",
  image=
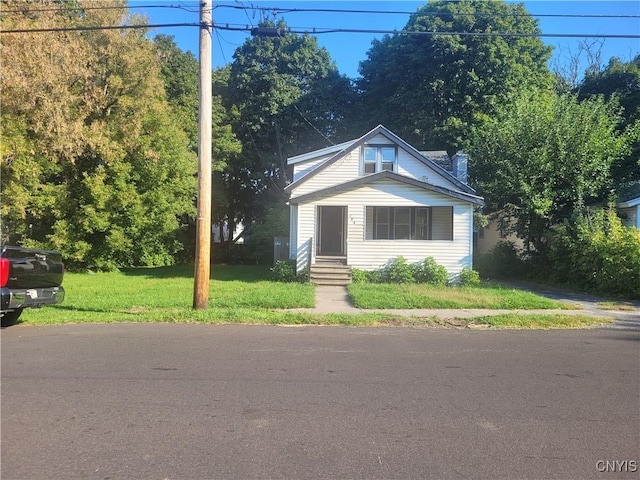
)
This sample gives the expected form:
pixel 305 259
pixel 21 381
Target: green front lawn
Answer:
pixel 244 294
pixel 166 294
pixel 408 296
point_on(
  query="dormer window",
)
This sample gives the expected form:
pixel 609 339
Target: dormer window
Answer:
pixel 377 158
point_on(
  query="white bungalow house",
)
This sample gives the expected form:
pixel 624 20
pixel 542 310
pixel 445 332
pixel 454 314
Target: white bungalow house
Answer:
pixel 369 200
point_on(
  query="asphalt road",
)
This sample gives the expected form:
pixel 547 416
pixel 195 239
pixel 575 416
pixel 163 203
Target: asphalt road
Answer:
pixel 162 401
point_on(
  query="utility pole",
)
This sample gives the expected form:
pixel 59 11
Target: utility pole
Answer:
pixel 203 220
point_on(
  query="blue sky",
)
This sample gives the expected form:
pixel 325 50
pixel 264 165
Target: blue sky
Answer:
pixel 348 49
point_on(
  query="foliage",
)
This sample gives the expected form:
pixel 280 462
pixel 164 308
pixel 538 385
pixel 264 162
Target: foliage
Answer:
pixel 284 271
pixel 622 81
pixel 274 223
pixel 359 276
pixel 288 98
pixel 92 158
pixel 595 251
pixel 449 81
pixel 367 276
pixel 397 270
pixel 430 272
pixel 502 261
pixel 469 277
pixel 543 155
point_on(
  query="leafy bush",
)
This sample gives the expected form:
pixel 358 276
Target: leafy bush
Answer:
pixel 429 271
pixel 359 276
pixel 502 261
pixel 284 271
pixel 398 270
pixel 366 276
pixel 375 276
pixel 597 252
pixel 469 277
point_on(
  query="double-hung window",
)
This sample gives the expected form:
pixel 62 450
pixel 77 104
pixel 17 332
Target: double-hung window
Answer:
pixel 377 158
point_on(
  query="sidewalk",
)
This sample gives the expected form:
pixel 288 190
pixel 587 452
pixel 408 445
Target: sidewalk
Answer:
pixel 331 299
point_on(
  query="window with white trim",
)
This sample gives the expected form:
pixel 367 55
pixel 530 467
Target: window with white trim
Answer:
pixel 376 158
pixel 409 223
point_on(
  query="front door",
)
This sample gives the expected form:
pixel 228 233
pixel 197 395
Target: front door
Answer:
pixel 332 230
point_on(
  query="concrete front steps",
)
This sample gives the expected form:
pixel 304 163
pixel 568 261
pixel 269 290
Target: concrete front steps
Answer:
pixel 330 273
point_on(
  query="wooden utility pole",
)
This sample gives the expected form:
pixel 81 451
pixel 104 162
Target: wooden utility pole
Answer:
pixel 203 221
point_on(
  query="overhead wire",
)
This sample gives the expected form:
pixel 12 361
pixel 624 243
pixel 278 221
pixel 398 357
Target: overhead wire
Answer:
pixel 320 31
pixel 399 12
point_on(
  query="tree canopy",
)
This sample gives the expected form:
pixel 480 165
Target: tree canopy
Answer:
pixel 289 98
pixel 543 156
pixel 620 80
pixel 432 88
pixel 93 162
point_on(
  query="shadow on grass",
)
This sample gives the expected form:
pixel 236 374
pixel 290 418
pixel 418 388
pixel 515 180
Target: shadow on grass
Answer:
pixel 243 273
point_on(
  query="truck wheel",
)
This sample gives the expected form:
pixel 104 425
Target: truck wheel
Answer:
pixel 9 318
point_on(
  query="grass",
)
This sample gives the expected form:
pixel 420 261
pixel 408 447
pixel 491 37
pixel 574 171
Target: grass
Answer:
pixel 244 294
pixel 166 294
pixel 539 321
pixel 620 306
pixel 408 296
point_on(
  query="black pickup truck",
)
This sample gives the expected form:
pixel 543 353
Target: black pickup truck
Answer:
pixel 29 278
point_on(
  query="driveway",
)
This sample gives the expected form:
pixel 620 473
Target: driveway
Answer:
pixel 178 401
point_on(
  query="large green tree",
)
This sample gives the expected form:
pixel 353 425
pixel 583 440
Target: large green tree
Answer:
pixel 543 156
pixel 432 88
pixel 289 98
pixel 622 81
pixel 93 162
pixel 179 71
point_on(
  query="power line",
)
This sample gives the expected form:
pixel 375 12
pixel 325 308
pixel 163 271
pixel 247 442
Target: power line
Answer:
pixel 103 27
pixel 267 31
pixel 260 31
pixel 278 10
pixel 82 9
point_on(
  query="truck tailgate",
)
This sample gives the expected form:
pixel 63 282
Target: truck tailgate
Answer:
pixel 33 268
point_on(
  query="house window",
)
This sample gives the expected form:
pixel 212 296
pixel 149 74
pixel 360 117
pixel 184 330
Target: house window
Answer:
pixel 409 223
pixel 402 224
pixel 378 158
pixel 381 216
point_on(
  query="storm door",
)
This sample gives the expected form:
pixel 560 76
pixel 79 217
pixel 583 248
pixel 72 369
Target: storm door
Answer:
pixel 332 230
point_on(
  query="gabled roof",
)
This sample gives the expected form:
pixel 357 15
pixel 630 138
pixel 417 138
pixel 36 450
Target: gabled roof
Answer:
pixel 319 153
pixel 386 175
pixel 349 146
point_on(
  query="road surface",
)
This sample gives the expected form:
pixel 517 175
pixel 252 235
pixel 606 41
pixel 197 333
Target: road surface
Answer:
pixel 164 401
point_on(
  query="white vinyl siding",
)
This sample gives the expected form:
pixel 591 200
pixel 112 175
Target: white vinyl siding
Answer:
pixel 370 255
pixel 449 241
pixel 344 170
pixel 409 166
pixel 302 169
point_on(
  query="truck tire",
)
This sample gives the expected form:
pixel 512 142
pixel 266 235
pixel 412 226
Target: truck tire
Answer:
pixel 10 318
